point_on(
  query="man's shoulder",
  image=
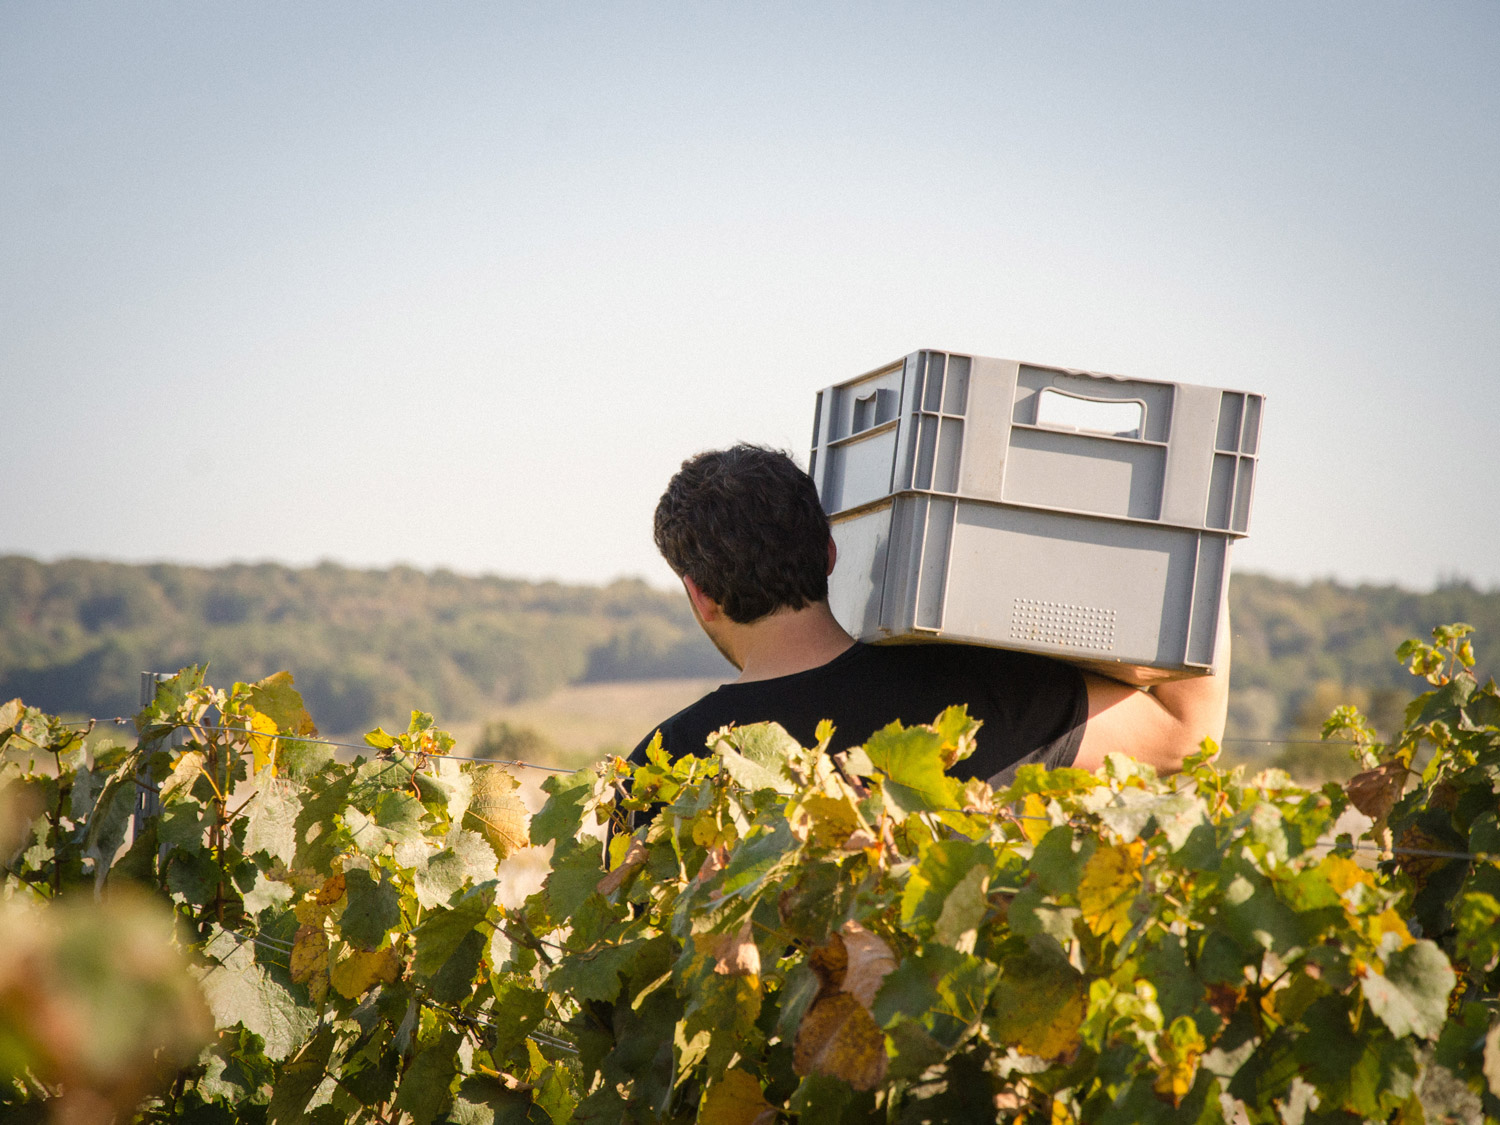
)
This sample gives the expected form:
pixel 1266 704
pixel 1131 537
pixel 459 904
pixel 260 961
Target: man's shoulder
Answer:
pixel 693 715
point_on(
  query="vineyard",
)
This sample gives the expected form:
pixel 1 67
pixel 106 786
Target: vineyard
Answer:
pixel 769 933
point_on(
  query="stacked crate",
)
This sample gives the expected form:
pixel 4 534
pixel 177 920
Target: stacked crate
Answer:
pixel 1079 515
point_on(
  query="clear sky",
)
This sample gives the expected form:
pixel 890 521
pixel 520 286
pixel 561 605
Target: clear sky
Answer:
pixel 460 284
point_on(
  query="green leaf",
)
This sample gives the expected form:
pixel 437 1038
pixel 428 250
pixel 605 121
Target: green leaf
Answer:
pixel 277 699
pixel 271 820
pixel 912 762
pixel 1412 995
pixel 373 909
pixel 483 1101
pixel 298 1080
pixel 239 991
pixel 756 756
pixel 594 974
pixel 759 860
pixel 561 817
pixel 519 1007
pixel 940 989
pixel 1059 859
pixel 425 1089
pixel 577 867
pixel 443 931
pixel 964 910
pixel 454 982
pixel 941 868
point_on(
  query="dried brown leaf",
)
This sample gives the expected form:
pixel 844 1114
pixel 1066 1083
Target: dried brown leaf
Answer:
pixel 1375 792
pixel 839 1038
pixel 870 960
pixel 632 861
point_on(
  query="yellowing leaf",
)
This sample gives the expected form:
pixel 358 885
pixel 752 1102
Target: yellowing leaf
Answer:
pixel 839 1038
pixel 1108 888
pixel 1179 1047
pixel 827 820
pixel 1388 922
pixel 309 953
pixel 735 1099
pixel 1039 1005
pixel 496 813
pixel 184 772
pixel 276 698
pixel 262 740
pixel 1035 823
pixel 359 972
pixel 1343 873
pixel 332 889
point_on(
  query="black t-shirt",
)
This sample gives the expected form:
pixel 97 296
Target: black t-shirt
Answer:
pixel 1033 708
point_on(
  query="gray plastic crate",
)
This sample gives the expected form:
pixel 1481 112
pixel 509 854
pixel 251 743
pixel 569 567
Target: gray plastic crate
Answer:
pixel 1084 516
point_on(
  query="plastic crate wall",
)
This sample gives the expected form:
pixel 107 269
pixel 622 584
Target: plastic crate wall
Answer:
pixel 1051 510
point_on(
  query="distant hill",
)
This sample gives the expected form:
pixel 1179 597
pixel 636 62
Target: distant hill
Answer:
pixel 368 645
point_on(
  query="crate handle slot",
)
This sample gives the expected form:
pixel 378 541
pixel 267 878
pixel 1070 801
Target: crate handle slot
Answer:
pixel 1113 417
pixel 873 409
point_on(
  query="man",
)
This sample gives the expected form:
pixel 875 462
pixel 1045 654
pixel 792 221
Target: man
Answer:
pixel 744 531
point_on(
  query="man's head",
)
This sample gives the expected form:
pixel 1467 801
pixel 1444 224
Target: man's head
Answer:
pixel 745 525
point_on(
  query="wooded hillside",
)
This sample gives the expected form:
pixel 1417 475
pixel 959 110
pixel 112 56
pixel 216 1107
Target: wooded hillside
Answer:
pixel 367 645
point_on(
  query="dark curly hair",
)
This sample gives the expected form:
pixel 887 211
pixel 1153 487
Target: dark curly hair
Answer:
pixel 746 526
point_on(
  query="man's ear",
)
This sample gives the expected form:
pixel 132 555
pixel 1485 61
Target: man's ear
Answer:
pixel 704 606
pixel 833 553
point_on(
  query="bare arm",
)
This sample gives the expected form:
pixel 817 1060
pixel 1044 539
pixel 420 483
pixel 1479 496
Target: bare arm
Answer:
pixel 1160 726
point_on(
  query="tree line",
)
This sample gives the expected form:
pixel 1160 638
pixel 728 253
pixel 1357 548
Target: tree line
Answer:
pixel 367 645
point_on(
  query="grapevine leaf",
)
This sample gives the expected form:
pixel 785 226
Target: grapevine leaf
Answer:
pixel 299 1078
pixel 106 826
pixel 277 699
pixel 1059 858
pixel 483 1101
pixel 912 761
pixel 358 972
pixel 1107 890
pixel 594 974
pixel 940 990
pixel 736 1099
pixel 425 1087
pixel 1039 1005
pixel 262 739
pixel 1180 1047
pixel 941 868
pixel 577 868
pixel 496 812
pixel 239 991
pixel 964 911
pixel 759 860
pixel 443 931
pixel 1411 997
pixel 1375 792
pixel 761 764
pixel 454 982
pixel 561 817
pixel 271 823
pixel 839 1038
pixel 1254 917
pixel 373 910
pixel 519 1007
